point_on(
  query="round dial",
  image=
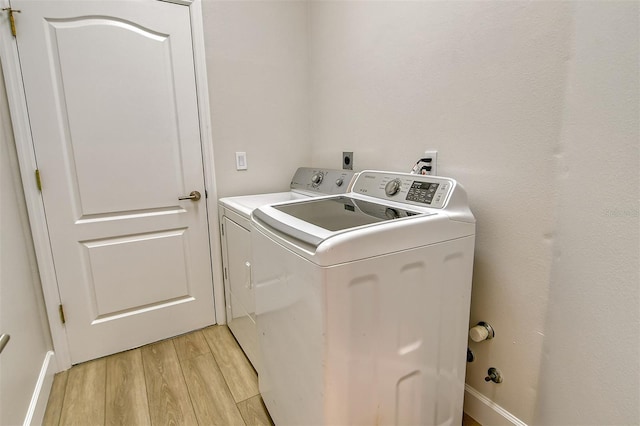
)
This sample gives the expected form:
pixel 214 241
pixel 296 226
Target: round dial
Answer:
pixel 392 187
pixel 339 182
pixel 316 179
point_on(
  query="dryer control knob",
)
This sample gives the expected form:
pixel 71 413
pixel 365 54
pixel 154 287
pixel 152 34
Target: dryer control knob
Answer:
pixel 339 182
pixel 392 187
pixel 316 179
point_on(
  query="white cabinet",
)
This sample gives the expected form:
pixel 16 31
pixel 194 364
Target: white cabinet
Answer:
pixel 239 295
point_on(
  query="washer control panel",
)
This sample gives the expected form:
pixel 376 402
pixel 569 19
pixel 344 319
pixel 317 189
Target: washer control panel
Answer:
pixel 422 192
pixel 419 190
pixel 322 181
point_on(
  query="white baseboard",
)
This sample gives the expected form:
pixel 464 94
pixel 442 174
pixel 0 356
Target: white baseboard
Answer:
pixel 38 404
pixel 486 412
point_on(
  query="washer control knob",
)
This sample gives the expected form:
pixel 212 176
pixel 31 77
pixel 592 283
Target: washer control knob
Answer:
pixel 392 187
pixel 339 182
pixel 316 179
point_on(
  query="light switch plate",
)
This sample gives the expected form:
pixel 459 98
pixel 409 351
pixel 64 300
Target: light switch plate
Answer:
pixel 241 161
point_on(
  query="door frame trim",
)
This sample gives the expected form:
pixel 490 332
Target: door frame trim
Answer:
pixel 33 197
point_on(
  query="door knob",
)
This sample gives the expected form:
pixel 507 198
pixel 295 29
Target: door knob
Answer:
pixel 194 196
pixel 4 339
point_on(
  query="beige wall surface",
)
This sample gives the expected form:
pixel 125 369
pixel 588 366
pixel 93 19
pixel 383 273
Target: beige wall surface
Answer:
pixel 590 372
pixel 257 66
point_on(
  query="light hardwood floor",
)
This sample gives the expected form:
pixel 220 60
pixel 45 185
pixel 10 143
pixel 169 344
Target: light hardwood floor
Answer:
pixel 200 378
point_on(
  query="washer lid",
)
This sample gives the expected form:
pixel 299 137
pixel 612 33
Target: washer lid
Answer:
pixel 315 220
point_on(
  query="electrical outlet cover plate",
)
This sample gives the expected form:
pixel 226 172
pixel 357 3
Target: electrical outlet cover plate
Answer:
pixel 434 161
pixel 347 160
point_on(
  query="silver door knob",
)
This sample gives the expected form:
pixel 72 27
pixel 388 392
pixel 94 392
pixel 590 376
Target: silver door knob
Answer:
pixel 193 196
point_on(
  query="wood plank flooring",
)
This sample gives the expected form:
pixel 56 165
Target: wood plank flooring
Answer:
pixel 200 378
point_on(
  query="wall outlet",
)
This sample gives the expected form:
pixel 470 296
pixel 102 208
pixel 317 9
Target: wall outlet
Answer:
pixel 347 160
pixel 431 159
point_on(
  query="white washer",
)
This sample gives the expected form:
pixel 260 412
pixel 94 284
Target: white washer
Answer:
pixel 362 303
pixel 235 214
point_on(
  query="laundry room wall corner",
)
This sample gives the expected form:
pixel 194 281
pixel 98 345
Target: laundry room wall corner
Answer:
pixel 257 63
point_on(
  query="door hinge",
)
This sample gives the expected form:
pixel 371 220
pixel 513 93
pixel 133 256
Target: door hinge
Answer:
pixel 12 20
pixel 206 194
pixel 38 180
pixel 222 229
pixel 61 311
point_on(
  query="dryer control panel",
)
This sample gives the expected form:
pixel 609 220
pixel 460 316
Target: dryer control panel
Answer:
pixel 419 190
pixel 322 181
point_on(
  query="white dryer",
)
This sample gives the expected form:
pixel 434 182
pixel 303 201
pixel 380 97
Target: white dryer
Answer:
pixel 362 303
pixel 235 214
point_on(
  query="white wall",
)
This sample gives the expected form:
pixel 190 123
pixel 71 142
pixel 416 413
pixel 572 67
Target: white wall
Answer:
pixel 257 65
pixel 489 84
pixel 22 312
pixel 590 371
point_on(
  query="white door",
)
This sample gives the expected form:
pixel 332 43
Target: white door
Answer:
pixel 111 95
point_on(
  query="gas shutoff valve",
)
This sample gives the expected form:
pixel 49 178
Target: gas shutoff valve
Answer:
pixel 482 331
